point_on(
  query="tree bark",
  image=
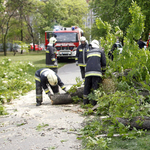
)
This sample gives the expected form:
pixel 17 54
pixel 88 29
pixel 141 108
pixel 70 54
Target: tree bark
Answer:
pixel 137 122
pixel 66 98
pixel 61 99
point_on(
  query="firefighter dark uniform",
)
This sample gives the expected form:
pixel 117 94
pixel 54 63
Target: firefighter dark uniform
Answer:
pixel 81 58
pixel 51 58
pixel 41 80
pixel 96 65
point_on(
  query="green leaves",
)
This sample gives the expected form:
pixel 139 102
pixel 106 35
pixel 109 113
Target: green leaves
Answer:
pixel 14 79
pixel 41 126
pixel 137 26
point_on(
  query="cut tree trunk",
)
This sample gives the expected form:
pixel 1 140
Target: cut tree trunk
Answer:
pixel 66 98
pixel 61 99
pixel 137 122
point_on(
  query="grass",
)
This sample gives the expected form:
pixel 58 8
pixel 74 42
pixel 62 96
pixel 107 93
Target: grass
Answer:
pixel 37 58
pixel 140 143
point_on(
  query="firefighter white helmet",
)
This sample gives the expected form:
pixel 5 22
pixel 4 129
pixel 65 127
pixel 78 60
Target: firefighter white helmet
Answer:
pixel 52 79
pixel 52 40
pixel 95 44
pixel 82 39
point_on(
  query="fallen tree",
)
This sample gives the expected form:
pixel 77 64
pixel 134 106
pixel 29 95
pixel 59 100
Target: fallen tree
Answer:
pixel 136 122
pixel 66 98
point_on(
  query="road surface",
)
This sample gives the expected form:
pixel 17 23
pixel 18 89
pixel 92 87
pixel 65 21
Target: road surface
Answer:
pixel 46 127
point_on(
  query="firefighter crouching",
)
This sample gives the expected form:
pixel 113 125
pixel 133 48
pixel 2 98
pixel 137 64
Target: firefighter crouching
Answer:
pixel 81 55
pixel 95 68
pixel 51 56
pixel 43 78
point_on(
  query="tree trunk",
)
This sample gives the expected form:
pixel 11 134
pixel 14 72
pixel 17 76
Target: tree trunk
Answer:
pixel 137 122
pixel 21 40
pixel 61 99
pixel 66 98
pixel 4 47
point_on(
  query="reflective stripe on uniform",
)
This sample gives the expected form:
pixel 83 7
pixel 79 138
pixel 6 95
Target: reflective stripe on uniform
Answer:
pixel 37 78
pixel 38 95
pixel 50 66
pixel 84 96
pixel 82 65
pixel 53 59
pixel 47 51
pixel 44 70
pixel 94 54
pixel 76 58
pixel 63 87
pixel 46 91
pixel 80 50
pixel 93 73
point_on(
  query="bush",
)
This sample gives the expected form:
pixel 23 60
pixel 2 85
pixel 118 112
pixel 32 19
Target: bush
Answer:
pixel 14 79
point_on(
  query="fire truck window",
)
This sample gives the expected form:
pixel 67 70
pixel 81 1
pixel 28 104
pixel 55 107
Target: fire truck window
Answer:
pixel 48 36
pixel 66 37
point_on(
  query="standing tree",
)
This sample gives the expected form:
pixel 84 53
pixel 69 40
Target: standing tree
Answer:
pixel 116 12
pixel 76 11
pixel 6 21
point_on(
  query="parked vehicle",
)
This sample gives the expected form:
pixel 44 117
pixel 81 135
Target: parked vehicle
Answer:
pixel 37 47
pixel 42 46
pixel 119 47
pixel 18 47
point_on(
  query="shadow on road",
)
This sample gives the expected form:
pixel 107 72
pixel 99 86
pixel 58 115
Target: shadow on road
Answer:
pixel 67 60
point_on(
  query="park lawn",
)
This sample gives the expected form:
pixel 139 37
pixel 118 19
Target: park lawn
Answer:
pixel 37 58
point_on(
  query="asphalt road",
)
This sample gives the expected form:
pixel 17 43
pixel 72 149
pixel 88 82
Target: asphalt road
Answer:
pixel 69 73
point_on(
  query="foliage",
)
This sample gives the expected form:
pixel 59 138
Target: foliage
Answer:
pixel 132 68
pixel 2 110
pixel 116 13
pixel 73 89
pixel 48 15
pixel 111 35
pixel 88 112
pixel 74 12
pixel 23 45
pixel 76 99
pixel 41 126
pixel 14 79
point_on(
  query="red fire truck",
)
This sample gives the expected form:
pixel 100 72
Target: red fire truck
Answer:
pixel 68 39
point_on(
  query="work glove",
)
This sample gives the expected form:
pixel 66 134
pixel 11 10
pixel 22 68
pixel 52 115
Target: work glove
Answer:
pixel 55 63
pixel 76 63
pixel 49 95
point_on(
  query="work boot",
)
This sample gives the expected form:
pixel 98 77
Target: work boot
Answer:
pixel 85 101
pixel 94 102
pixel 38 103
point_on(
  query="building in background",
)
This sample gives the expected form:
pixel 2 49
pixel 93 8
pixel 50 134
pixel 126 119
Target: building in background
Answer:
pixel 90 18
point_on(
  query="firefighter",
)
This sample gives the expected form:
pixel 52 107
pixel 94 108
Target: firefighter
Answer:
pixel 43 78
pixel 141 43
pixel 51 57
pixel 95 68
pixel 81 55
pixel 110 53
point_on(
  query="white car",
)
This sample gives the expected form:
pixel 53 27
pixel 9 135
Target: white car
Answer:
pixel 119 47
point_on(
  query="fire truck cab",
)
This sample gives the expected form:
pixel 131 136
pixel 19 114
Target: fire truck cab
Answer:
pixel 68 39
